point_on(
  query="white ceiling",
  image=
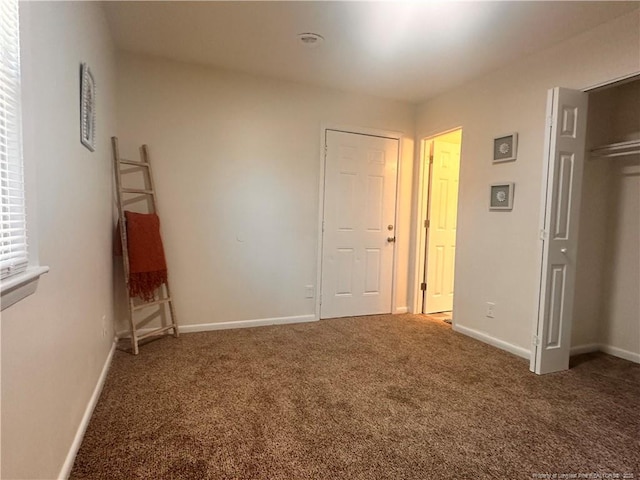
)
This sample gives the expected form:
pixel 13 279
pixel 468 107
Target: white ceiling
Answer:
pixel 404 50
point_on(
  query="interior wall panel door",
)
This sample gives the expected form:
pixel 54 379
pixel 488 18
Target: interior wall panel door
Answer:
pixel 565 144
pixel 359 205
pixel 441 240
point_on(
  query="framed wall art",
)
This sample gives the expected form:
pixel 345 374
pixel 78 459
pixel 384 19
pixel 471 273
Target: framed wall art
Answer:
pixel 501 196
pixel 87 108
pixel 505 148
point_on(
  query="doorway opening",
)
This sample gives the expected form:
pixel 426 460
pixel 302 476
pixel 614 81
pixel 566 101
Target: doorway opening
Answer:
pixel 439 180
pixel 589 248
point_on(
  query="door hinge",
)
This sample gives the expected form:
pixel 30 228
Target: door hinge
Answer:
pixel 427 223
pixel 430 158
pixel 423 286
pixel 544 234
pixel 320 299
pixel 550 121
pixel 323 225
pixel 536 340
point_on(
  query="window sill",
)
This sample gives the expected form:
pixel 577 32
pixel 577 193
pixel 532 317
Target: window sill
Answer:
pixel 20 286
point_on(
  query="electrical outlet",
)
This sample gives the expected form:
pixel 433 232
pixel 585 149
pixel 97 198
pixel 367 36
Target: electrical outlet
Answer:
pixel 491 310
pixel 104 326
pixel 309 291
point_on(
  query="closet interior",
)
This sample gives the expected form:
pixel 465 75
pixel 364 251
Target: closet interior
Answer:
pixel 607 300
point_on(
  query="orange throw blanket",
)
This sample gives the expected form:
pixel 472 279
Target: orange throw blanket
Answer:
pixel 147 264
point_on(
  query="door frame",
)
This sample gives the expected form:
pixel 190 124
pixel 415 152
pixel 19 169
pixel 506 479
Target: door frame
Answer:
pixel 324 126
pixel 423 176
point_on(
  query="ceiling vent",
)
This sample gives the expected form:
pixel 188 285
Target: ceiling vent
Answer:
pixel 310 40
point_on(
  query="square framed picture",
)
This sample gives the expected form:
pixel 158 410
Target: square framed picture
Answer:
pixel 505 148
pixel 501 196
pixel 87 108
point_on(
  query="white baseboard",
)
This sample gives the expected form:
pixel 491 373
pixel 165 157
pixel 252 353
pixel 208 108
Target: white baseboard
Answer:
pixel 262 322
pixel 618 352
pixel 496 342
pixel 587 348
pixel 84 423
pixel 206 327
pixel 400 310
pixel 608 349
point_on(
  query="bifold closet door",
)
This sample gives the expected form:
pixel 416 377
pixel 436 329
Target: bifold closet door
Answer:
pixel 564 163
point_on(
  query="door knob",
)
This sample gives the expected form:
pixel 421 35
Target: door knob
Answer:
pixel 391 239
pixel 563 250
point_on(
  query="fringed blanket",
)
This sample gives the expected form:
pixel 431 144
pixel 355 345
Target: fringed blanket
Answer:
pixel 147 264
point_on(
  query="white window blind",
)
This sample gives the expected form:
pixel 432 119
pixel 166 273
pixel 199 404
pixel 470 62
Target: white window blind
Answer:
pixel 13 246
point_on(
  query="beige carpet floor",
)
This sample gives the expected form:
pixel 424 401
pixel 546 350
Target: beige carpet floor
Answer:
pixel 379 397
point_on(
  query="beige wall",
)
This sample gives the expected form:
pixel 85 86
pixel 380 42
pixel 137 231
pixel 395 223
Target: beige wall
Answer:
pixel 497 252
pixel 53 349
pixel 237 164
pixel 620 329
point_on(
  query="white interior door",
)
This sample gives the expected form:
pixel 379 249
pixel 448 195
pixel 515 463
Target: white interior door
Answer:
pixel 359 224
pixel 441 233
pixel 567 114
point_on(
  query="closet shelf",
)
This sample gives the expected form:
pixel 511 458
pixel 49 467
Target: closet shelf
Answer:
pixel 617 149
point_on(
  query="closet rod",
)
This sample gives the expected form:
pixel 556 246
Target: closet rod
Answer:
pixel 617 149
pixel 617 154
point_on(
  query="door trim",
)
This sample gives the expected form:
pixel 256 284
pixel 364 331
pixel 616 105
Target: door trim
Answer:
pixel 421 211
pixel 612 82
pixel 324 126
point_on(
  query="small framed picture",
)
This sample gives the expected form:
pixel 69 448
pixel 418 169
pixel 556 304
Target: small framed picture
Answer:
pixel 501 196
pixel 505 148
pixel 87 108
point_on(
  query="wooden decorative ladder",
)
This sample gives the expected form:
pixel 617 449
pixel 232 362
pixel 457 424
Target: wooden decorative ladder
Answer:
pixel 148 192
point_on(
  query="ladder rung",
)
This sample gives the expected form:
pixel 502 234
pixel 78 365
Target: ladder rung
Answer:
pixel 131 162
pixel 137 190
pixel 151 304
pixel 157 331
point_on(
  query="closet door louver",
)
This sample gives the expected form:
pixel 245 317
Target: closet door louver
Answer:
pixel 13 238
